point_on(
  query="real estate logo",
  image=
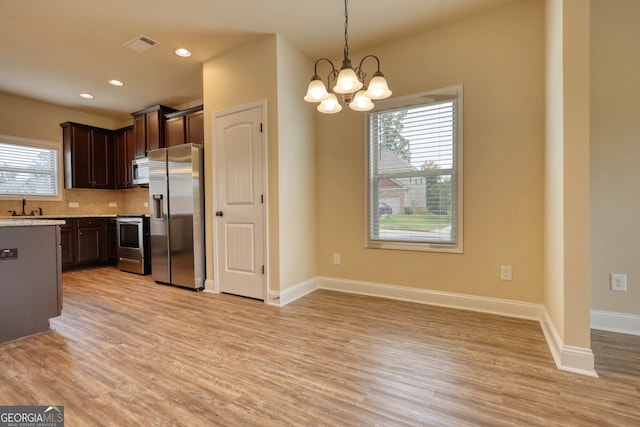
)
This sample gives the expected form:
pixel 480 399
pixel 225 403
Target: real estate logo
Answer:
pixel 31 416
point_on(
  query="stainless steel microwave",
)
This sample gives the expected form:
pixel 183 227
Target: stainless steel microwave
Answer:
pixel 140 171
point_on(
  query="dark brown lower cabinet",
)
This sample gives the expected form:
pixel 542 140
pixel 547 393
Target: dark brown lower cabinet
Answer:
pixel 68 243
pixel 87 242
pixel 91 231
pixel 112 241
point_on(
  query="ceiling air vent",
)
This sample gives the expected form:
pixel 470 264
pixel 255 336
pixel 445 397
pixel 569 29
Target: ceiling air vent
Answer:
pixel 140 44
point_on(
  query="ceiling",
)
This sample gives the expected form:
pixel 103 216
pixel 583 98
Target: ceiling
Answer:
pixel 54 50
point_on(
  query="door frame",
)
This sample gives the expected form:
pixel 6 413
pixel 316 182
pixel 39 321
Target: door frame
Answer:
pixel 215 116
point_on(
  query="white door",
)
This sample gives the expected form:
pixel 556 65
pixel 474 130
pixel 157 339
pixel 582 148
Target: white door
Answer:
pixel 239 203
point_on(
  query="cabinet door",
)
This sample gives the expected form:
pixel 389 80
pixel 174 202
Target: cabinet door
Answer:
pixel 175 131
pixel 155 137
pixel 195 128
pixel 68 243
pixel 89 243
pixel 121 174
pixel 112 241
pixel 124 153
pixel 140 135
pixel 130 139
pixel 102 159
pixel 81 157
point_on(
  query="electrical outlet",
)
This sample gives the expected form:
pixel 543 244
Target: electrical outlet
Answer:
pixel 113 205
pixel 74 204
pixel 146 204
pixel 506 272
pixel 618 282
pixel 336 258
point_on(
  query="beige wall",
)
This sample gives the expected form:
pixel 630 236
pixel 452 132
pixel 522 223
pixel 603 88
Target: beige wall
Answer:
pixel 38 120
pixel 90 202
pixel 554 157
pixel 272 70
pixel 615 137
pixel 567 244
pixel 242 76
pixel 296 169
pixel 26 118
pixel 498 56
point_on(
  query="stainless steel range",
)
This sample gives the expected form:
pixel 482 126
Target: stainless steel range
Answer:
pixel 133 244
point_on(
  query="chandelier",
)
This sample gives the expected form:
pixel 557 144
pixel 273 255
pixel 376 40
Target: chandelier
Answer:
pixel 349 82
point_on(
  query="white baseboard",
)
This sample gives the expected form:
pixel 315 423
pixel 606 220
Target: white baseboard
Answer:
pixel 295 292
pixel 615 322
pixel 209 286
pixel 501 307
pixel 567 358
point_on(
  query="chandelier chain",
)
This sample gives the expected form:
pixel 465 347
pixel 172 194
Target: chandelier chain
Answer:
pixel 346 30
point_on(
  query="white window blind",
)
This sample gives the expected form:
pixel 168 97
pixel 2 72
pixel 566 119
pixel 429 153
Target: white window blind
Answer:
pixel 413 172
pixel 27 168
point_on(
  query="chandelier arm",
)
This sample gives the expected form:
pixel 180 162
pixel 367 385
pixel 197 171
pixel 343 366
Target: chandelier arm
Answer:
pixel 370 56
pixel 333 74
pixel 360 72
pixel 315 66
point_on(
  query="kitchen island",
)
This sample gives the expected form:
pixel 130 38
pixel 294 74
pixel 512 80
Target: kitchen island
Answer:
pixel 30 276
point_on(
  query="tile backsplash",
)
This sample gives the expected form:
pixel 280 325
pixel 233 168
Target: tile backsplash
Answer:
pixel 79 201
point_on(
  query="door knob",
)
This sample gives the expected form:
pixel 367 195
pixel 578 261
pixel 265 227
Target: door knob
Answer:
pixel 218 213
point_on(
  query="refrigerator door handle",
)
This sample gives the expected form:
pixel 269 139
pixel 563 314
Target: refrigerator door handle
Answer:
pixel 157 206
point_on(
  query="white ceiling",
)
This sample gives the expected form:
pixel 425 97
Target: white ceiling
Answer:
pixel 53 50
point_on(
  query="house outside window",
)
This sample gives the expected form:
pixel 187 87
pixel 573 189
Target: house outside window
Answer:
pixel 29 168
pixel 414 182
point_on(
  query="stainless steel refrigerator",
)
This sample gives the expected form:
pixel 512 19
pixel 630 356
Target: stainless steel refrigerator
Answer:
pixel 176 201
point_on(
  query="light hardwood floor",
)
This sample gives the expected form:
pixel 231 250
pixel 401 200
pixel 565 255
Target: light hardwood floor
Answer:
pixel 127 351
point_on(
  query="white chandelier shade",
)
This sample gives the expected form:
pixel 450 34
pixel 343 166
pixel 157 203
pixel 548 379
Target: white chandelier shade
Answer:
pixel 330 105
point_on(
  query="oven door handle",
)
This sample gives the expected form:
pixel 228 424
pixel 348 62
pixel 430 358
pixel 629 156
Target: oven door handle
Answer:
pixel 129 220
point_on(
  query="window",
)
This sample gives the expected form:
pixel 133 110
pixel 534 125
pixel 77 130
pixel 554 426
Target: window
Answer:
pixel 28 168
pixel 415 172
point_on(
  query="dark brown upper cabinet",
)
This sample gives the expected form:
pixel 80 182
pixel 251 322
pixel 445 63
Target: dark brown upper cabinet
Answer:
pixel 175 131
pixel 186 126
pixel 195 126
pixel 149 129
pixel 125 147
pixel 88 156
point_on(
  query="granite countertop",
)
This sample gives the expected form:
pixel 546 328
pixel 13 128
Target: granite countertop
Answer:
pixel 74 216
pixel 29 222
pixel 63 216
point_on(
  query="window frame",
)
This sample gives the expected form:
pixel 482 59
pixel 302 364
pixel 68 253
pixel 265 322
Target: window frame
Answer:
pixel 37 143
pixel 408 101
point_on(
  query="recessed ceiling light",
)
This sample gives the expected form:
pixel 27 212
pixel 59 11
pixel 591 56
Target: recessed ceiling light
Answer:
pixel 86 95
pixel 185 53
pixel 116 82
